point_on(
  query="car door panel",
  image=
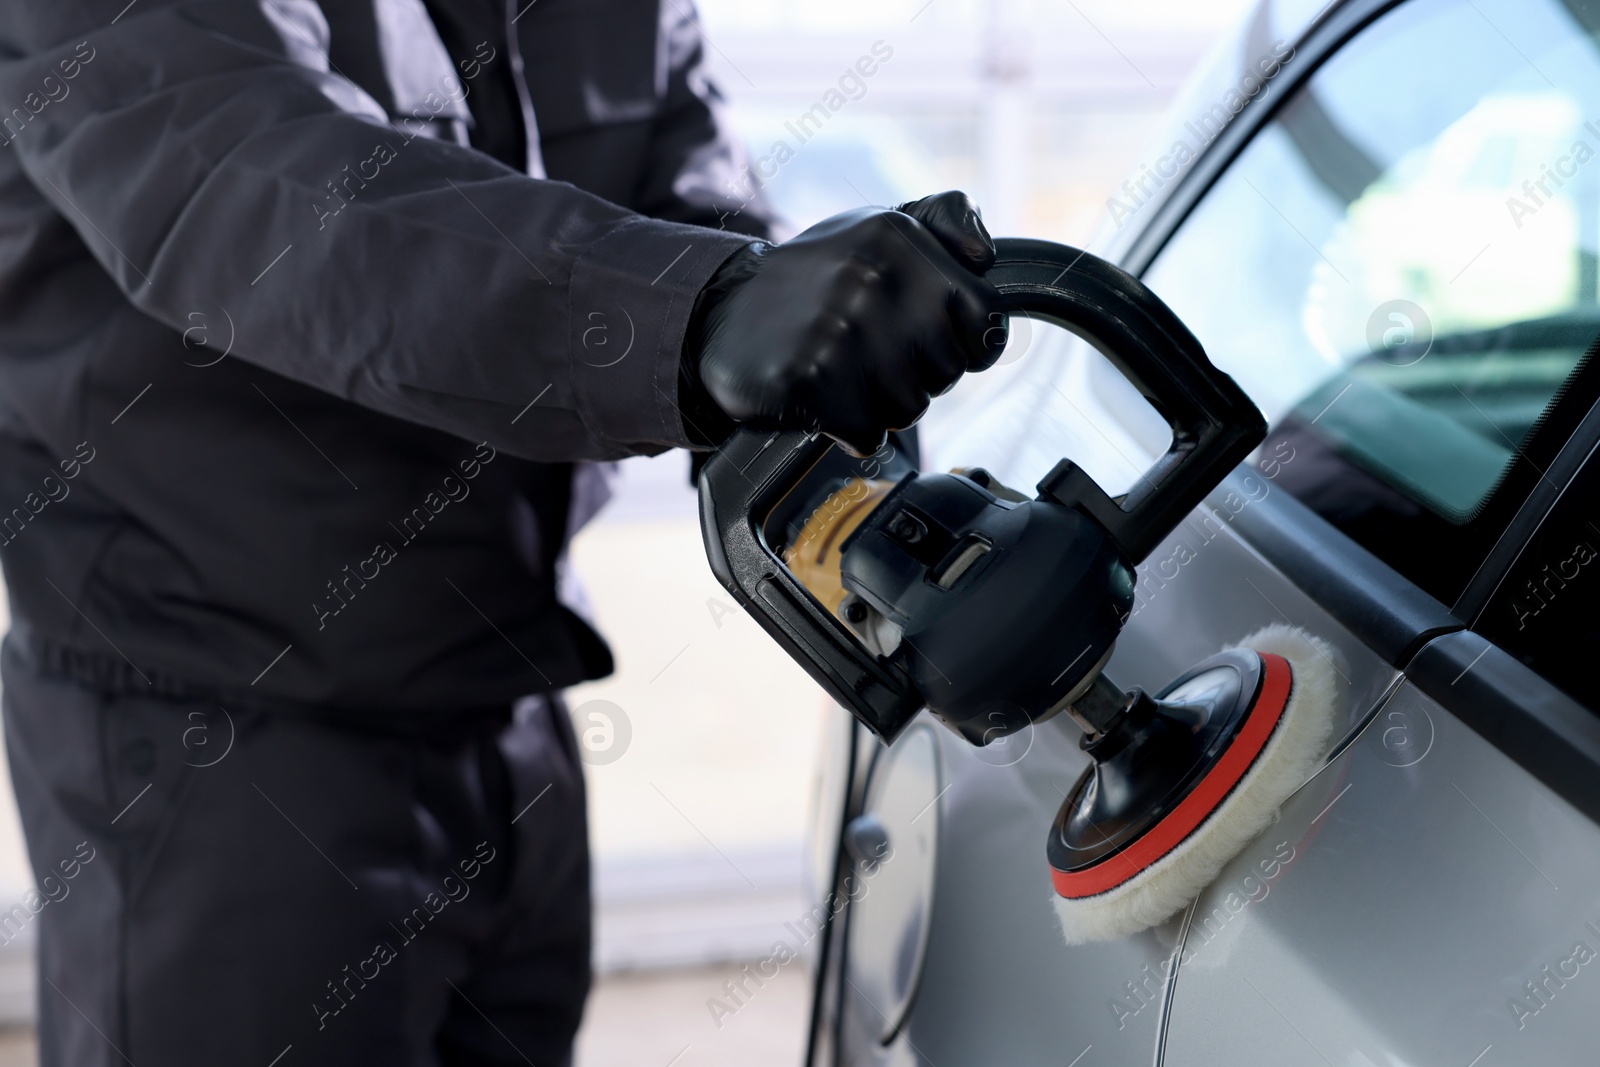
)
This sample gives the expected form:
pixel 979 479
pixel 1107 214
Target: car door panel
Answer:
pixel 1547 733
pixel 1437 908
pixel 1380 608
pixel 1406 903
pixel 1207 587
pixel 997 973
pixel 1301 900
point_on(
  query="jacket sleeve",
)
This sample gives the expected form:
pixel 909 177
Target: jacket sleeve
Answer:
pixel 698 170
pixel 208 154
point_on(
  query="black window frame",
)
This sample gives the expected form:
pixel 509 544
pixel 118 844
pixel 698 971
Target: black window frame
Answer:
pixel 1511 706
pixel 1505 512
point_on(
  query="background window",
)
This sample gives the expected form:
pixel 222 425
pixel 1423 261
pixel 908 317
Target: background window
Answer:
pixel 1400 269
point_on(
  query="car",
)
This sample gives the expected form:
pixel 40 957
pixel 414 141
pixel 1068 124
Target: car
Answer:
pixel 1383 220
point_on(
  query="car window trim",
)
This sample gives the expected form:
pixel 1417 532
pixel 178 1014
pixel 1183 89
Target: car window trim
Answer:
pixel 1322 40
pixel 1389 612
pixel 1576 453
pixel 1381 607
pixel 1508 704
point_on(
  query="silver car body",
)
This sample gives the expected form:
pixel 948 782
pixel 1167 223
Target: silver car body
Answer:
pixel 1431 896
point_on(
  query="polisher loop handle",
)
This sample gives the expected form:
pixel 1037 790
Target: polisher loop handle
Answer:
pixel 1214 424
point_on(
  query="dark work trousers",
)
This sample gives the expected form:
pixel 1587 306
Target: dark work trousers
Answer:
pixel 245 886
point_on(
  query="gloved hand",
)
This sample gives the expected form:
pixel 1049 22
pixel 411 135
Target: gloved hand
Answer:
pixel 850 328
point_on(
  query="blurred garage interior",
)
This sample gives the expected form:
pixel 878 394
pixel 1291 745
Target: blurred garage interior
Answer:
pixel 703 748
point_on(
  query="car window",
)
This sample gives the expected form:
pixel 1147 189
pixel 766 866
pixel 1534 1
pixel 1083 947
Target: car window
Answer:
pixel 1401 269
pixel 1543 612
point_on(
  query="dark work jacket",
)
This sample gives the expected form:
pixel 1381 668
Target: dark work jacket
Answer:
pixel 306 310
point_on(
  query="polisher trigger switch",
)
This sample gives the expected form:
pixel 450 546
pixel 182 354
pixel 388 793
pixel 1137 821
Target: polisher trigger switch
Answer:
pixel 959 561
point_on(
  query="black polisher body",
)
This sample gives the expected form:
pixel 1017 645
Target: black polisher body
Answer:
pixel 955 568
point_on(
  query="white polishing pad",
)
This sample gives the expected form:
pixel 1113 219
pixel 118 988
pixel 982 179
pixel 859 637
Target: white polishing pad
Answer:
pixel 1291 755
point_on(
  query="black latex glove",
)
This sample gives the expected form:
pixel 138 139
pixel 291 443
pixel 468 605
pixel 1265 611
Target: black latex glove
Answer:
pixel 850 328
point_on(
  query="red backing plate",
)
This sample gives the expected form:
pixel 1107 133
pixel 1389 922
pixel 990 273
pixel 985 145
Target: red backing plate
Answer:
pixel 1202 800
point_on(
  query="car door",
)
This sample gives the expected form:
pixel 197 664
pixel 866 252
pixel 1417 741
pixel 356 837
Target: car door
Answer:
pixel 1403 259
pixel 1359 250
pixel 948 951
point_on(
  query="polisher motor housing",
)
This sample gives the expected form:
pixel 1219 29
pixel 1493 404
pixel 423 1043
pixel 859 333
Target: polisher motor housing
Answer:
pixel 942 568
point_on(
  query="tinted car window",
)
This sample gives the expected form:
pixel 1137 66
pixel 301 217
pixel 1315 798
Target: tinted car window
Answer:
pixel 1544 611
pixel 1400 268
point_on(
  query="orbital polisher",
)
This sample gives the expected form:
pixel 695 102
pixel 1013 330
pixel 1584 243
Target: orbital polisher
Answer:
pixel 899 590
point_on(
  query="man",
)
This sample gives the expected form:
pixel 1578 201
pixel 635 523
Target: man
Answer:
pixel 309 313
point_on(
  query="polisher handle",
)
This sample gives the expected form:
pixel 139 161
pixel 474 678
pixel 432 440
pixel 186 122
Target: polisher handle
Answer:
pixel 739 487
pixel 1214 425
